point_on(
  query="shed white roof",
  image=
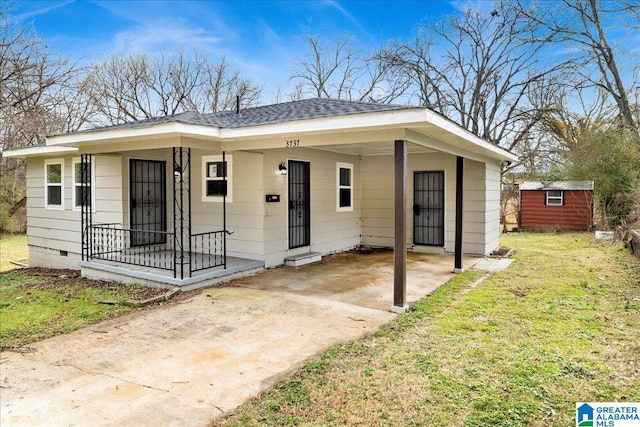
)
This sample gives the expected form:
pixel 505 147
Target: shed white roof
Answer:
pixel 557 185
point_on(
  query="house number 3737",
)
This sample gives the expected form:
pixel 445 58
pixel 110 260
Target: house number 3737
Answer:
pixel 292 143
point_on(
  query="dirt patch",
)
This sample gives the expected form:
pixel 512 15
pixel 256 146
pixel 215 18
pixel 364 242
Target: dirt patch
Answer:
pixel 53 278
pixel 502 253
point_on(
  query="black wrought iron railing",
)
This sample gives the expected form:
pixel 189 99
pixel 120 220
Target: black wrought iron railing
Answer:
pixel 111 242
pixel 209 248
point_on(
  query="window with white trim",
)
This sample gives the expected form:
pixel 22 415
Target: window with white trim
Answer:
pixel 214 184
pixel 554 198
pixel 54 184
pixel 344 187
pixel 80 189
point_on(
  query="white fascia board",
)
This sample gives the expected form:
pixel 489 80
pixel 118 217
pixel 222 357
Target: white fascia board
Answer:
pixel 349 122
pixel 484 145
pixel 154 130
pixel 447 143
pixel 41 150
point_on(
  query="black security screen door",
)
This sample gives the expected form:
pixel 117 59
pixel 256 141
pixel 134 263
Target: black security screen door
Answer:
pixel 299 204
pixel 148 202
pixel 428 208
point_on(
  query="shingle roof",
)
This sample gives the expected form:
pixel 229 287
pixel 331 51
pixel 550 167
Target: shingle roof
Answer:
pixel 557 185
pixel 314 108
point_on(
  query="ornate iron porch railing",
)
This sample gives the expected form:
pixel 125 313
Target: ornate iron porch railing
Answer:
pixel 110 242
pixel 179 251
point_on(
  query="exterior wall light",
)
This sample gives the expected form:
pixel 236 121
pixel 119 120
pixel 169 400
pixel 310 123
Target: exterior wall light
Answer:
pixel 282 168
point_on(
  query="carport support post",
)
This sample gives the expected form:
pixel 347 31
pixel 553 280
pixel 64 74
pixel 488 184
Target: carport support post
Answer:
pixel 400 230
pixel 459 218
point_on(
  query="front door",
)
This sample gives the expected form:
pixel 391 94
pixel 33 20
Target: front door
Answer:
pixel 428 208
pixel 299 204
pixel 148 202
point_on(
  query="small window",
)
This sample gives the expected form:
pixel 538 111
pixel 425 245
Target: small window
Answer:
pixel 344 189
pixel 54 184
pixel 555 198
pixel 81 192
pixel 217 178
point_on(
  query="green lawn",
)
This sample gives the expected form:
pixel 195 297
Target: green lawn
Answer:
pixel 34 305
pixel 561 325
pixel 12 247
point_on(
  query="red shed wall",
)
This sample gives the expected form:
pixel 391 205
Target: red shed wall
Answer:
pixel 575 214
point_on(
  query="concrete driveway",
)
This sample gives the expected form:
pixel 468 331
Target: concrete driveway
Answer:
pixel 188 362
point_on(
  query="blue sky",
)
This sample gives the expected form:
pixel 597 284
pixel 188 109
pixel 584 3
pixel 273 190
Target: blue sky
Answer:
pixel 261 39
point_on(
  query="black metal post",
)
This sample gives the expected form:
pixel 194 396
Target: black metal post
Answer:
pixel 224 213
pixel 86 205
pixel 400 227
pixel 459 214
pixel 187 170
pixel 175 234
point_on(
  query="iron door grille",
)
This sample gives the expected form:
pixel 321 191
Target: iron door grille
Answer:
pixel 299 204
pixel 148 202
pixel 428 208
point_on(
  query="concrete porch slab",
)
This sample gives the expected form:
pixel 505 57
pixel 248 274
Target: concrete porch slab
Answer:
pixel 104 270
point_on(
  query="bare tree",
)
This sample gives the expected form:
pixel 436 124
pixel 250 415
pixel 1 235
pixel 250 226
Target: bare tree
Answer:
pixel 33 86
pixel 131 87
pixel 585 27
pixel 31 83
pixel 336 69
pixel 482 70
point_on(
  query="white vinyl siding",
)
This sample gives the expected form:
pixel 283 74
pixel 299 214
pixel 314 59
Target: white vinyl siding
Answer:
pixel 481 201
pixel 331 231
pixel 50 231
pixel 245 216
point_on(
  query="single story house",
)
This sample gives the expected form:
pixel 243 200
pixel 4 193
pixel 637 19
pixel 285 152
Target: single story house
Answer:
pixel 178 201
pixel 556 205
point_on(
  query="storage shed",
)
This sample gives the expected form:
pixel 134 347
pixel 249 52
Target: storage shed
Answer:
pixel 557 205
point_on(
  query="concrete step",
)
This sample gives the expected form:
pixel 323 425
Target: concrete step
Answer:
pixel 303 259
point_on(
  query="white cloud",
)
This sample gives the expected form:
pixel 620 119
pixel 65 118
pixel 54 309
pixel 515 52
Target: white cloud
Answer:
pixel 478 5
pixel 42 11
pixel 343 11
pixel 161 35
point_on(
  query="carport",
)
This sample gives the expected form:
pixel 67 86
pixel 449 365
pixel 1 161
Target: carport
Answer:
pixel 186 363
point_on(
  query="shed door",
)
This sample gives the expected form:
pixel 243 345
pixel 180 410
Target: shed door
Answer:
pixel 299 204
pixel 148 202
pixel 428 208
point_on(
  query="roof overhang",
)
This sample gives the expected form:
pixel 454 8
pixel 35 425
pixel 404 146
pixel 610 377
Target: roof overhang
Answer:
pixel 362 134
pixel 40 150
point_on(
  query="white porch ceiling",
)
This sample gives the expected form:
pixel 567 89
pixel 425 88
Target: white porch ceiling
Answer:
pixel 377 148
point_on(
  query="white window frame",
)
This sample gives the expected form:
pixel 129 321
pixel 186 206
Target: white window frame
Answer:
pixel 228 158
pixel 339 187
pixel 554 200
pixel 48 184
pixel 74 184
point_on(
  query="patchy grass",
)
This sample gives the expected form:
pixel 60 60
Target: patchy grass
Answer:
pixel 12 247
pixel 37 303
pixel 560 326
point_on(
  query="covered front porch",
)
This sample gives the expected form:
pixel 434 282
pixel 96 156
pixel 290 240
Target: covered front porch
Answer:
pixel 157 244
